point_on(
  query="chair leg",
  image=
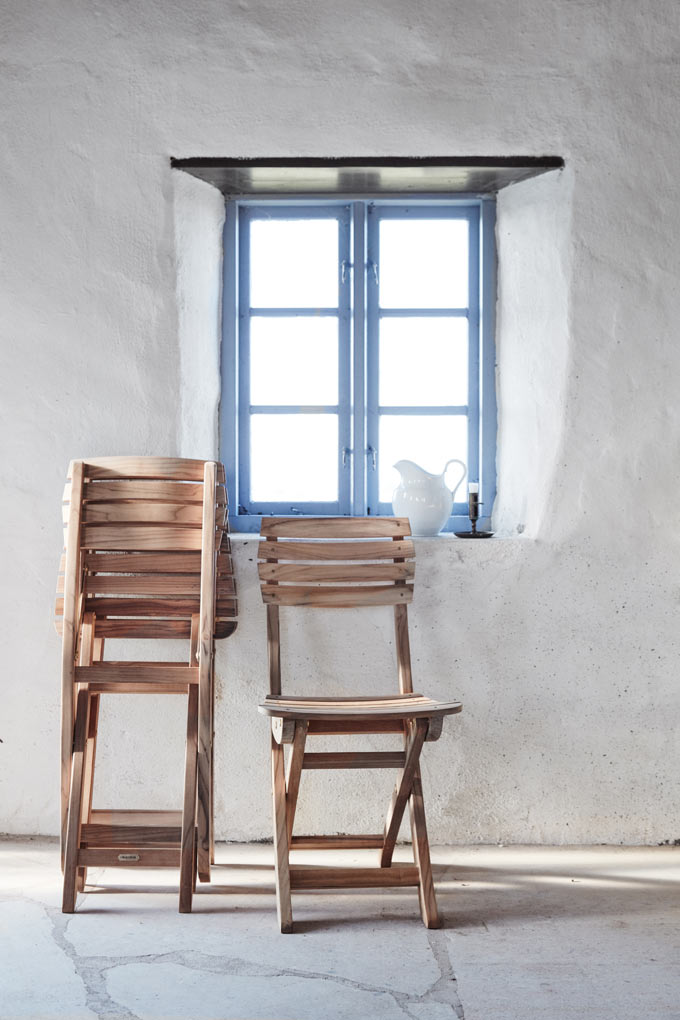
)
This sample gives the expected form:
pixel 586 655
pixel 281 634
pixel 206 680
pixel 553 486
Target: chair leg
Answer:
pixel 402 791
pixel 75 803
pixel 283 904
pixel 88 776
pixel 421 854
pixel 293 774
pixel 188 848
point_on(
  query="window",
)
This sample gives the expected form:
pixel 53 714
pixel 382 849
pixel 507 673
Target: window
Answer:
pixel 356 334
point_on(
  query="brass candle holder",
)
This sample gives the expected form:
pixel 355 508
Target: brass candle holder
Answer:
pixel 474 504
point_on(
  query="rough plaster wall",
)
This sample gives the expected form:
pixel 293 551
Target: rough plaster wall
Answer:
pixel 563 644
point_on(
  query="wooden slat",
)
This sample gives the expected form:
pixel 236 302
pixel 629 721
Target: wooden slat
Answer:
pixel 140 512
pixel 155 584
pixel 136 672
pixel 369 842
pixel 161 629
pixel 339 527
pixel 98 835
pixel 409 710
pixel 338 597
pixel 329 551
pixel 345 727
pixel 134 816
pixel 136 687
pixel 139 538
pixel 169 607
pixel 142 563
pixel 354 760
pixel 153 857
pixel 171 468
pixel 311 877
pixel 350 573
pixel 158 491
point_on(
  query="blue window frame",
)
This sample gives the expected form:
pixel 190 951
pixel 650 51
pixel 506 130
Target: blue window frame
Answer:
pixel 355 334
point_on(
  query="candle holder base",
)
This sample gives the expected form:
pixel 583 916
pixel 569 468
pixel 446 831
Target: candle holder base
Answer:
pixel 473 534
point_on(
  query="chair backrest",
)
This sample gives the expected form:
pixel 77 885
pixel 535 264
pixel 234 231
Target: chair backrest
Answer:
pixel 134 531
pixel 336 563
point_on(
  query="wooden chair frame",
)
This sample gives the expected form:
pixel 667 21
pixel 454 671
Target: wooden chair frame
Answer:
pixel 146 556
pixel 322 563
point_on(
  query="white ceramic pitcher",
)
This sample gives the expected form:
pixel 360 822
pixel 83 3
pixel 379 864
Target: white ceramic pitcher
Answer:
pixel 423 497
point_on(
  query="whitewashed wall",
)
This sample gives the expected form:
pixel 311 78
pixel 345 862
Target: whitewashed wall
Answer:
pixel 561 636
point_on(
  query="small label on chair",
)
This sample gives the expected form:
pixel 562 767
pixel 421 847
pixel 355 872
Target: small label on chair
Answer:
pixel 128 857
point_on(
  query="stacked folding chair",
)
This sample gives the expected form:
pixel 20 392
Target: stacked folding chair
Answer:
pixel 346 563
pixel 146 557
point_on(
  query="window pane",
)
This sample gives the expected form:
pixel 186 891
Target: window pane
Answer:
pixel 294 360
pixel 294 263
pixel 429 440
pixel 294 457
pixel 423 263
pixel 423 362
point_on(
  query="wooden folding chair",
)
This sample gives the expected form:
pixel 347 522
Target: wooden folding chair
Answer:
pixel 346 563
pixel 146 556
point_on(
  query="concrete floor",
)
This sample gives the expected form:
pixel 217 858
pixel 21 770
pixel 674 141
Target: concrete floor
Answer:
pixel 528 933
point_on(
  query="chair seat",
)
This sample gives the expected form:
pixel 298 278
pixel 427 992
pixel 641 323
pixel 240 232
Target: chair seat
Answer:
pixel 399 706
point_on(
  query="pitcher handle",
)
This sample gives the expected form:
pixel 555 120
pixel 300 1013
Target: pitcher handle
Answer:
pixel 454 460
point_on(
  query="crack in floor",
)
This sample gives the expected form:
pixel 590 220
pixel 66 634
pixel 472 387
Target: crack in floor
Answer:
pixel 92 971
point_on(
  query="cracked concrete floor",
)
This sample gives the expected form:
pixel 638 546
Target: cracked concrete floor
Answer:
pixel 549 933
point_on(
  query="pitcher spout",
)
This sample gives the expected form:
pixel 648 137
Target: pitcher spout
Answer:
pixel 412 472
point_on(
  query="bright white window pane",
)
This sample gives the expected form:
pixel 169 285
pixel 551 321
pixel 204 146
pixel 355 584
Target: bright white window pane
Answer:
pixel 423 362
pixel 294 263
pixel 423 263
pixel 294 360
pixel 293 458
pixel 428 440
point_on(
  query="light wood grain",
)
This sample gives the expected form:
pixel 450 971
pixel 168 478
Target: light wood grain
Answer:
pixel 339 527
pixel 165 468
pixel 353 760
pixel 70 626
pixel 142 512
pixel 311 877
pixel 329 551
pixel 294 771
pixel 343 842
pixel 338 597
pixel 282 867
pixel 206 631
pixel 359 573
pixel 402 790
pixel 138 538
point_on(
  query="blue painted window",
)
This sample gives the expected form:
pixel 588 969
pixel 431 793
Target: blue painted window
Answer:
pixel 356 334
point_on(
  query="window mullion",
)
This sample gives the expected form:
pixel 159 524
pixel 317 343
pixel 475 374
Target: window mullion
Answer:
pixel 359 359
pixel 372 331
pixel 244 496
pixel 344 364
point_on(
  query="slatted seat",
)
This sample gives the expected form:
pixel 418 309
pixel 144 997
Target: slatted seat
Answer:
pixel 146 557
pixel 343 563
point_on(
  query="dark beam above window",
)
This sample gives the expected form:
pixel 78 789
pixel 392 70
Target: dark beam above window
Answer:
pixel 366 176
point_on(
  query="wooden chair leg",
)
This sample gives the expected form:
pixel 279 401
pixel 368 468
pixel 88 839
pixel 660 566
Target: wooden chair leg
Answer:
pixel 421 854
pixel 283 904
pixel 188 848
pixel 402 790
pixel 88 776
pixel 293 774
pixel 75 803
